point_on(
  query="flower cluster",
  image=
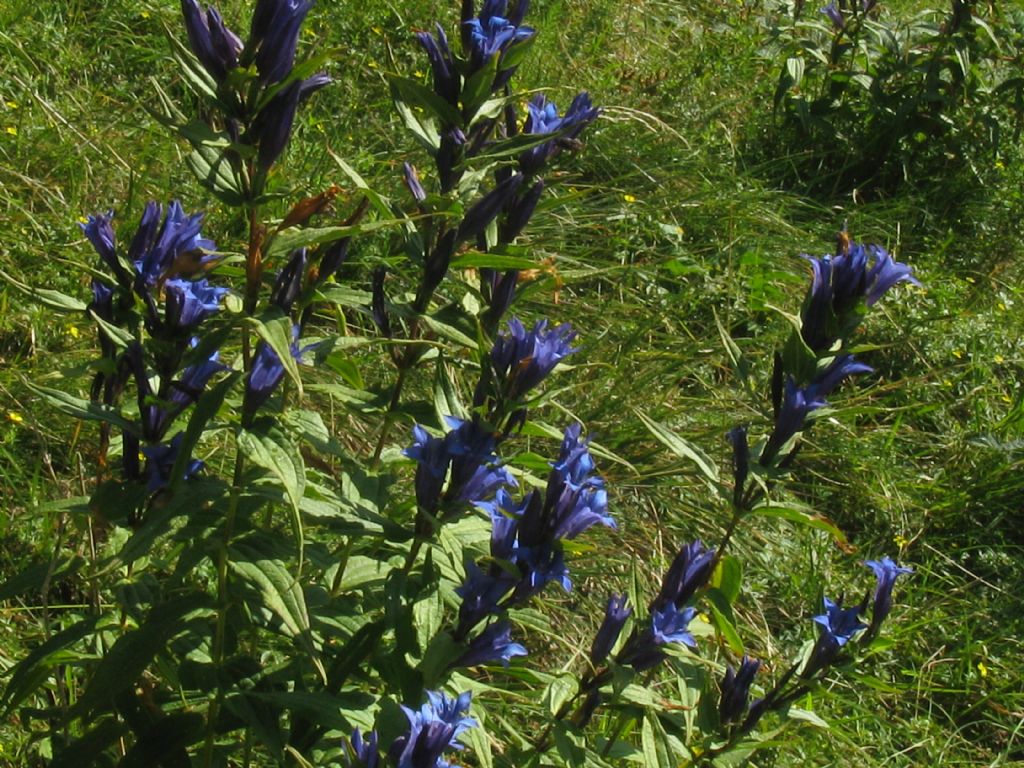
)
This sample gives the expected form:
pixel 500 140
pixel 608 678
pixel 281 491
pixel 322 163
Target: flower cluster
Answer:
pixel 433 729
pixel 670 616
pixel 856 276
pixel 465 457
pixel 526 537
pixel 163 271
pixel 268 113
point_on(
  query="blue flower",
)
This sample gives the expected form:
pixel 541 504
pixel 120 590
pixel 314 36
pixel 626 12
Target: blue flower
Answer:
pixel 160 461
pixel 100 233
pixel 575 498
pixel 522 359
pixel 362 753
pixel 544 120
pixel 797 404
pixel 266 373
pixel 190 385
pixel 442 65
pixel 834 14
pixel 432 729
pixel 837 625
pixel 690 570
pixel 189 302
pixel 615 615
pixel 643 651
pixel 840 369
pixel 493 644
pixel 840 283
pixel 493 34
pixel 154 251
pixel 274 35
pixel 216 46
pixel 886 572
pixel 736 690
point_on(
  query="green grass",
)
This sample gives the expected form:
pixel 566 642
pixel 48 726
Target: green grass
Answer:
pixel 667 225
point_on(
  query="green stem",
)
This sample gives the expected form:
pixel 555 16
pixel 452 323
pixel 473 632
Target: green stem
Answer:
pixel 223 604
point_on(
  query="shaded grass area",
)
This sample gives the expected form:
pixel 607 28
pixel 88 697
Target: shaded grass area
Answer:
pixel 669 235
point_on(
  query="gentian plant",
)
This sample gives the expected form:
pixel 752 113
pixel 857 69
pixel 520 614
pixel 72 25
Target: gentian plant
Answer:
pixel 270 587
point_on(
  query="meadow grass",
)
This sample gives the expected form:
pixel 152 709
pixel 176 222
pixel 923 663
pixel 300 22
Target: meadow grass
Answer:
pixel 673 224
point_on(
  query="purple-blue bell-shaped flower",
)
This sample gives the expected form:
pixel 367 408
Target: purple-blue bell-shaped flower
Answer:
pixel 160 461
pixel 836 626
pixel 362 752
pixel 886 572
pixel 157 248
pixel 493 644
pixel 543 119
pixel 433 729
pixel 643 651
pixel 492 34
pixel 884 273
pixel 834 15
pixel 736 690
pixel 797 404
pixel 216 46
pixel 575 498
pixel 189 302
pixel 412 183
pixel 100 233
pixel 840 369
pixel 266 373
pixel 690 570
pixel 190 385
pixel 275 35
pixel 431 456
pixel 615 615
pixel 522 359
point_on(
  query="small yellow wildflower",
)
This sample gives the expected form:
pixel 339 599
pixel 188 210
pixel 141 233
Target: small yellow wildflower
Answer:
pixel 144 14
pixel 11 104
pixel 373 65
pixel 982 669
pixel 1002 306
pixel 999 165
pixel 1006 398
pixel 15 417
pixel 999 358
pixel 73 331
pixel 629 198
pixel 10 129
pixel 83 220
pixel 900 540
pixel 969 279
pixel 958 354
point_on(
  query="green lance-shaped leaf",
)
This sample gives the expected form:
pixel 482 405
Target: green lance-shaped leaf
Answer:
pixel 45 296
pixel 681 447
pixel 207 407
pixel 91 746
pixel 256 562
pixel 276 330
pixel 82 409
pixel 658 751
pixel 34 669
pixel 128 658
pixel 798 513
pixel 271 448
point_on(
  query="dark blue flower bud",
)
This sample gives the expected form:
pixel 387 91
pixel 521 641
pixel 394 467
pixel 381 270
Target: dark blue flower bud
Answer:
pixel 690 571
pixel 736 690
pixel 486 209
pixel 378 304
pixel 100 233
pixel 519 211
pixel 200 40
pixel 275 35
pixel 289 281
pixel 442 65
pixel 834 15
pixel 499 291
pixel 273 125
pixel 740 460
pixel 615 616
